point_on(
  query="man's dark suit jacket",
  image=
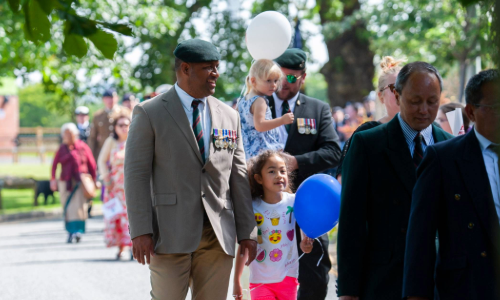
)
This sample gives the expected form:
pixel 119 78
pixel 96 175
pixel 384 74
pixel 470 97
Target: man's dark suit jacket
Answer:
pixel 378 177
pixel 453 196
pixel 314 153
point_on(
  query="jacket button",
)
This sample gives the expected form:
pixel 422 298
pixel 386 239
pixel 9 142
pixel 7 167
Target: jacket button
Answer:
pixel 483 254
pixel 203 171
pixel 203 195
pixel 457 197
pixel 471 225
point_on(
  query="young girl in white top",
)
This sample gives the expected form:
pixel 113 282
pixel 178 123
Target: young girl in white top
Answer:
pixel 259 129
pixel 274 272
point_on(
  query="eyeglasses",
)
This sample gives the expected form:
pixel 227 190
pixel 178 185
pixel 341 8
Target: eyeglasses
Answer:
pixel 292 78
pixel 123 125
pixel 389 86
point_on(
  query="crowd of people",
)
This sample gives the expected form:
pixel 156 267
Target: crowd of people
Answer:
pixel 194 176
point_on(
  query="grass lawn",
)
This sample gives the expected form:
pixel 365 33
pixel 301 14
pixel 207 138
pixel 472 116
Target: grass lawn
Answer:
pixel 36 171
pixel 17 201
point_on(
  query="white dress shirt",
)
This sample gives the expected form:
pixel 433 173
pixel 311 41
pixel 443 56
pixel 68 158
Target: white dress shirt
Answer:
pixel 491 164
pixel 206 121
pixel 83 125
pixel 410 134
pixel 278 103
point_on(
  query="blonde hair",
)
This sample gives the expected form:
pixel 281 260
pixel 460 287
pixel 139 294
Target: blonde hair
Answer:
pixel 389 66
pixel 262 69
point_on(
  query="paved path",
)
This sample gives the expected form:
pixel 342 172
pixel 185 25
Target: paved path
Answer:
pixel 36 263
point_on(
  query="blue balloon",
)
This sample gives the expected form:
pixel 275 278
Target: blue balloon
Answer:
pixel 317 205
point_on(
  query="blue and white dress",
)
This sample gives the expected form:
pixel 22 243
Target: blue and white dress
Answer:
pixel 254 141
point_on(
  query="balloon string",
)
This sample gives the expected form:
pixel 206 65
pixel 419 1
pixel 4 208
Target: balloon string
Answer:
pixel 322 252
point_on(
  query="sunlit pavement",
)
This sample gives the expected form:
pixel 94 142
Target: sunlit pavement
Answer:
pixel 37 263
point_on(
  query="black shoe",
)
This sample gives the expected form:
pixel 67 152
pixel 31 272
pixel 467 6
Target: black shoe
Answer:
pixel 70 238
pixel 78 237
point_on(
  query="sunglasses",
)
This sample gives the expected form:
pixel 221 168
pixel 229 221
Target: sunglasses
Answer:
pixel 123 125
pixel 292 78
pixel 390 86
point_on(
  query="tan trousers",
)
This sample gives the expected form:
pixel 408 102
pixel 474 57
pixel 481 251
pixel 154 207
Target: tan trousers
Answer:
pixel 206 271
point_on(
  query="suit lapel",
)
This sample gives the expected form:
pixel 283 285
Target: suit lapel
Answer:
pixel 173 105
pixel 439 134
pixel 399 154
pixel 298 112
pixel 476 180
pixel 215 116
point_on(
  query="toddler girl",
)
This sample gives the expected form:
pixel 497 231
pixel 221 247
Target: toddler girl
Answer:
pixel 259 129
pixel 274 272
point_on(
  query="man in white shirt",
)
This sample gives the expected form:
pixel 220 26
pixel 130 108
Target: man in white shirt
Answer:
pixel 188 198
pixel 312 146
pixel 82 122
pixel 457 194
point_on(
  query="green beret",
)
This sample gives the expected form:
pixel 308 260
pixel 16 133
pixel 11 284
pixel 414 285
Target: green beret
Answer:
pixel 196 50
pixel 294 59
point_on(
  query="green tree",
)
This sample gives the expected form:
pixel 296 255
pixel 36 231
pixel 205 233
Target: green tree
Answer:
pixel 443 33
pixel 33 109
pixel 40 16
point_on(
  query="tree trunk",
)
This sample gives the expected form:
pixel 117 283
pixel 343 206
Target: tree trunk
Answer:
pixel 350 70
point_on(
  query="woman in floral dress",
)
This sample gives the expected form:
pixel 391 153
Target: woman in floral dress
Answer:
pixel 111 166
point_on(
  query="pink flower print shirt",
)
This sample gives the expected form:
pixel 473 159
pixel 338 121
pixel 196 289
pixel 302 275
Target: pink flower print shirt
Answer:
pixel 277 255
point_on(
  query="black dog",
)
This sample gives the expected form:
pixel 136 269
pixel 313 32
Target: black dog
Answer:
pixel 43 187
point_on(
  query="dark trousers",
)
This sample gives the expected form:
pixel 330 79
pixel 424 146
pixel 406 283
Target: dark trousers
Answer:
pixel 314 279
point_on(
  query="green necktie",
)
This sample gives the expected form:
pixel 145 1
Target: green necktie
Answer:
pixel 285 108
pixel 418 152
pixel 197 129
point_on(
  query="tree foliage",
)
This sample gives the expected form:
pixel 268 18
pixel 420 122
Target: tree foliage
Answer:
pixel 78 28
pixel 439 32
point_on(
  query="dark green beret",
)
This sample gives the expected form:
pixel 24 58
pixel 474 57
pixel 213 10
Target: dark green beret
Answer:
pixel 196 50
pixel 294 59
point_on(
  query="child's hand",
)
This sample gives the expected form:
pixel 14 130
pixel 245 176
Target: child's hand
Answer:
pixel 306 245
pixel 237 291
pixel 287 118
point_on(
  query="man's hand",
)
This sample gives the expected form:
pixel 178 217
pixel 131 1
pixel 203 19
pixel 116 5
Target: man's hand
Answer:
pixel 349 298
pixel 143 245
pixel 306 245
pixel 291 162
pixel 251 247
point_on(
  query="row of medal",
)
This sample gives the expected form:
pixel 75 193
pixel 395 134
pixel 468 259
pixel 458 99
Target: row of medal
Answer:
pixel 307 126
pixel 224 138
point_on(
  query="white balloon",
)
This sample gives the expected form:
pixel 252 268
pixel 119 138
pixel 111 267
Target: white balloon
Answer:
pixel 268 35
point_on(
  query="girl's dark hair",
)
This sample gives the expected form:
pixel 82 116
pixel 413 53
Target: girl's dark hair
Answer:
pixel 116 118
pixel 255 166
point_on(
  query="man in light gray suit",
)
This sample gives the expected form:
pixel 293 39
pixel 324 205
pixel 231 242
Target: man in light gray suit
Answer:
pixel 188 198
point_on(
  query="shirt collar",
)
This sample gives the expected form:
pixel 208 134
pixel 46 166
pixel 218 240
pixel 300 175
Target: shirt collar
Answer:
pixel 484 143
pixel 278 102
pixel 187 99
pixel 411 133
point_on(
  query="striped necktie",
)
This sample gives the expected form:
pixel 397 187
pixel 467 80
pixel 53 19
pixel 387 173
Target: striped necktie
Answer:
pixel 285 108
pixel 197 128
pixel 418 152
